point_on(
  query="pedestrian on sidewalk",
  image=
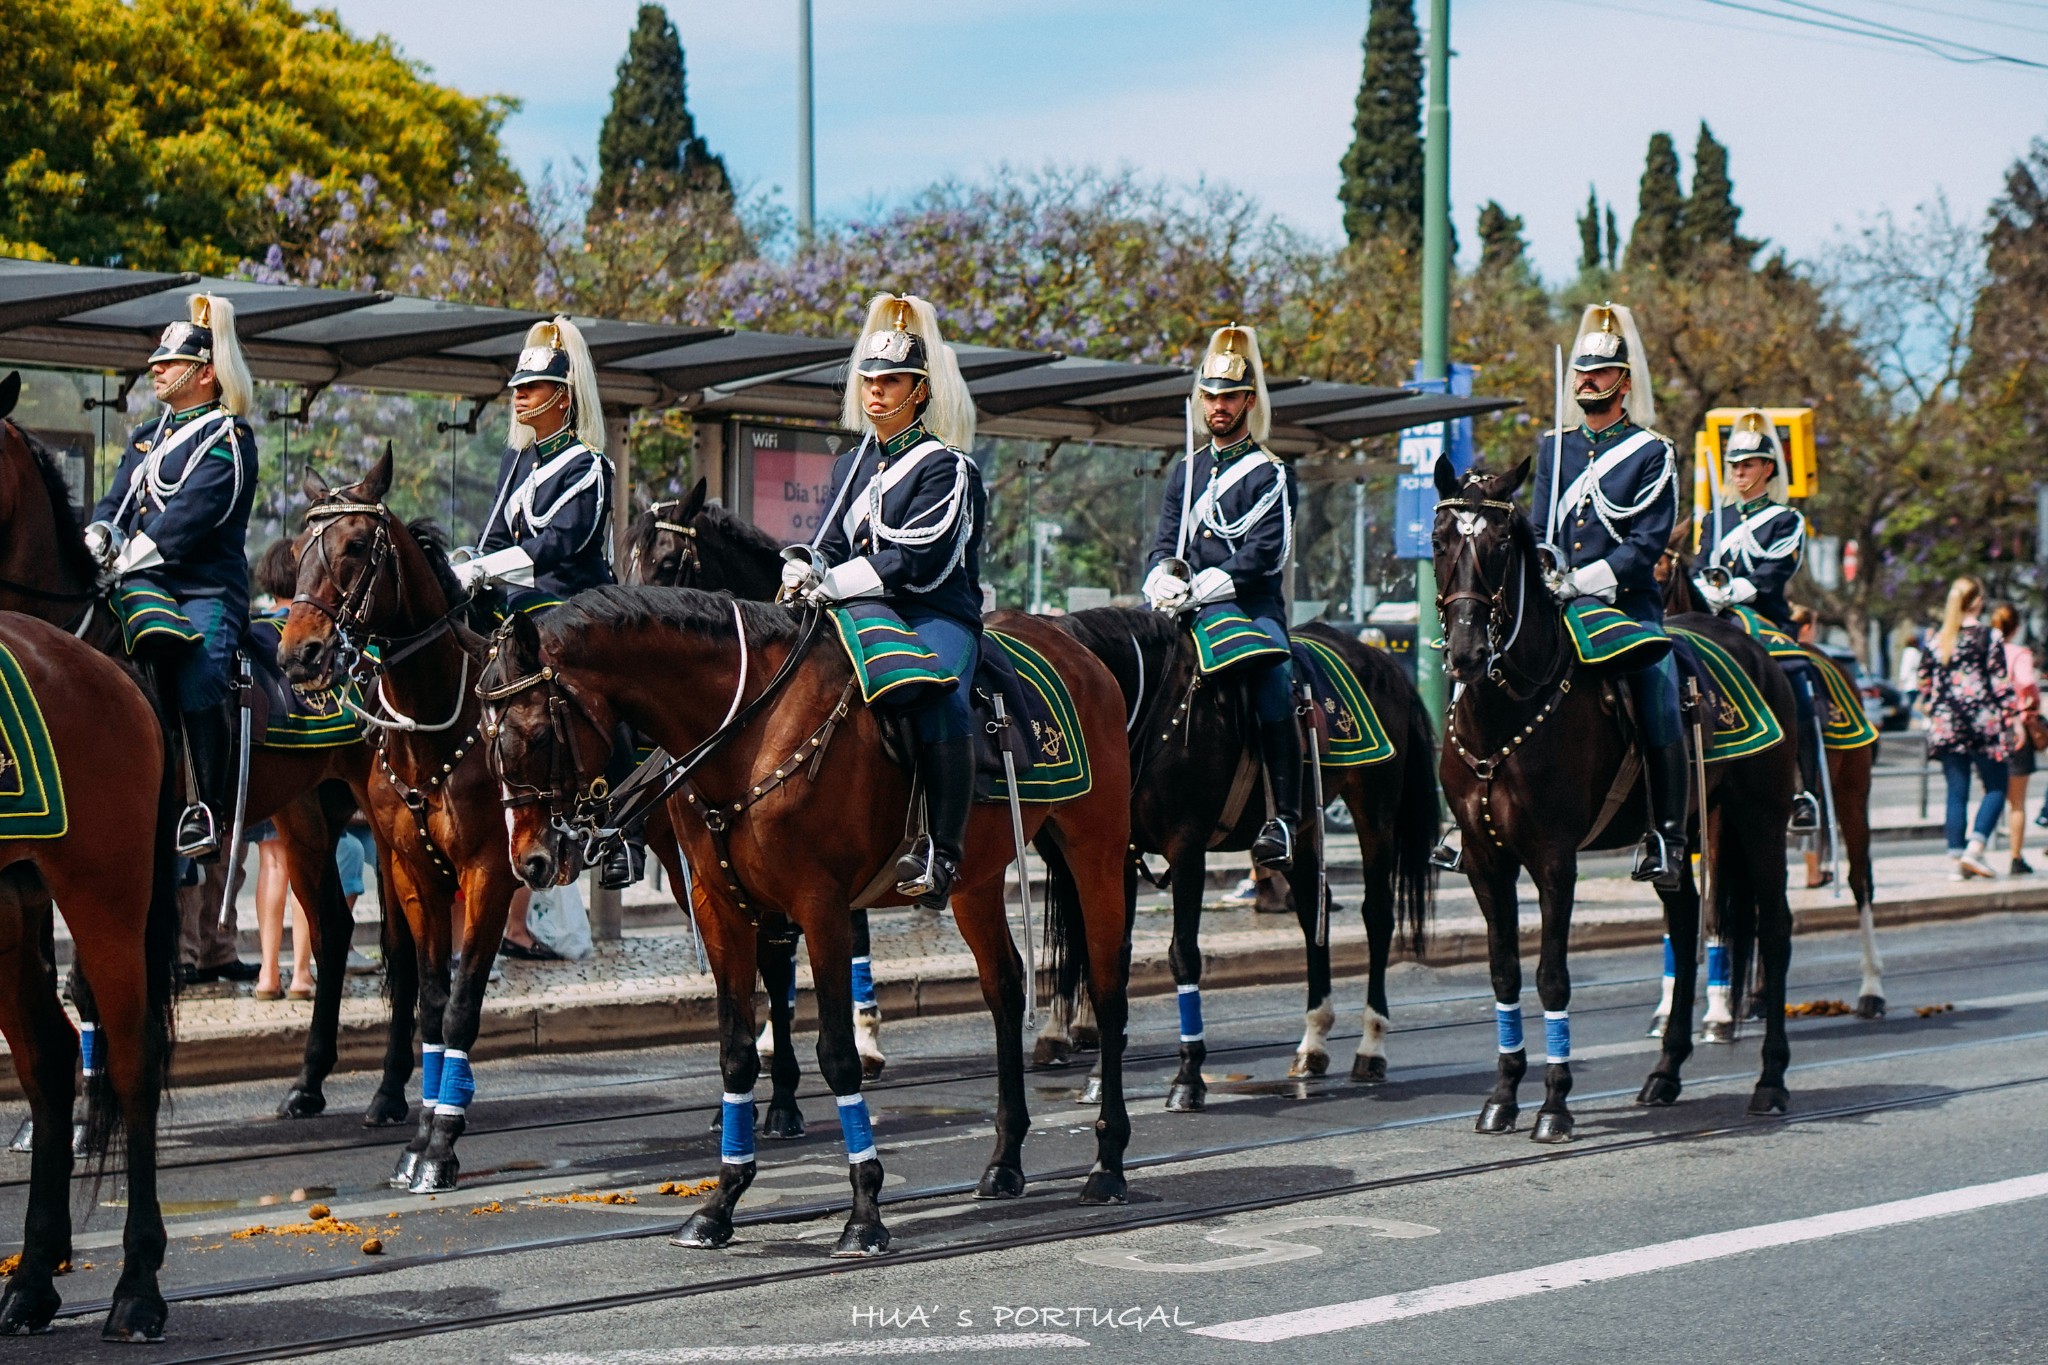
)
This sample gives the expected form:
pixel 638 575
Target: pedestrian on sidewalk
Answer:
pixel 1970 720
pixel 1910 656
pixel 2026 690
pixel 273 881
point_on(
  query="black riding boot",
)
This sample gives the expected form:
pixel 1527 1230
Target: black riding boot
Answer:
pixel 204 823
pixel 946 767
pixel 1806 806
pixel 1662 856
pixel 624 858
pixel 1280 749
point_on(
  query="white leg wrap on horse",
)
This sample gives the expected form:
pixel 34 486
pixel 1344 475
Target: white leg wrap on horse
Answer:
pixel 1315 1030
pixel 1372 1035
pixel 1719 984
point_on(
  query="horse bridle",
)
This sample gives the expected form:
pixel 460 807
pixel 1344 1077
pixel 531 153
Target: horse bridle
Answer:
pixel 1498 618
pixel 692 561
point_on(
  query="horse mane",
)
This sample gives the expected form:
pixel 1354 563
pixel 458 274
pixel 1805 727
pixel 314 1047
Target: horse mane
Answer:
pixel 620 608
pixel 731 524
pixel 433 542
pixel 1103 629
pixel 70 535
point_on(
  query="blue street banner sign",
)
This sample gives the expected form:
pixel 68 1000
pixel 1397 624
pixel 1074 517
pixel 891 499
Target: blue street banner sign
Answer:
pixel 1421 447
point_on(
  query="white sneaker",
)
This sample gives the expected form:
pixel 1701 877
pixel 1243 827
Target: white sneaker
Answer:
pixel 1971 863
pixel 1247 892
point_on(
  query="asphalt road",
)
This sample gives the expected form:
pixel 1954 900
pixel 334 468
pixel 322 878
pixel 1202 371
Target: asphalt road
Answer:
pixel 1892 1218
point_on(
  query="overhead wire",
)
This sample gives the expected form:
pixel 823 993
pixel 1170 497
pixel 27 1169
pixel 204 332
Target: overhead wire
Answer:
pixel 1944 48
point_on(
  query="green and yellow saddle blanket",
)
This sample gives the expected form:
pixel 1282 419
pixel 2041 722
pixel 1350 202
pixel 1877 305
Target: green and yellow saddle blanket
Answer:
pixel 1843 724
pixel 1354 735
pixel 31 787
pixel 893 666
pixel 1226 637
pixel 1606 638
pixel 1743 722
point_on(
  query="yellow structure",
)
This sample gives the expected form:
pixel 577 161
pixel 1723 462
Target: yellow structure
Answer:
pixel 1795 432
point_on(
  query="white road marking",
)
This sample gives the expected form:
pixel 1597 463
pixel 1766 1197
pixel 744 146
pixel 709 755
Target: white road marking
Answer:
pixel 1264 1242
pixel 820 1350
pixel 1338 1317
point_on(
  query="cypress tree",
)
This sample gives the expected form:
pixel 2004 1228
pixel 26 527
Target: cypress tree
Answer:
pixel 1501 245
pixel 1710 213
pixel 1613 239
pixel 648 148
pixel 1589 232
pixel 1382 169
pixel 1657 237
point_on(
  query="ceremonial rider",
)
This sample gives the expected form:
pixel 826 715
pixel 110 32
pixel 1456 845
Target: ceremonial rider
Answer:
pixel 175 521
pixel 1606 495
pixel 1750 546
pixel 903 525
pixel 548 534
pixel 1226 533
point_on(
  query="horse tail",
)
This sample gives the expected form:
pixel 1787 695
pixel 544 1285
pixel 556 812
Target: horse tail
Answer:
pixel 1735 908
pixel 1064 928
pixel 1417 824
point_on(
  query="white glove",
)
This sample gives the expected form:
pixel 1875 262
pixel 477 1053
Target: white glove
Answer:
pixel 798 578
pixel 1165 589
pixel 845 582
pixel 1595 580
pixel 1741 591
pixel 103 541
pixel 509 565
pixel 1212 585
pixel 138 554
pixel 1714 595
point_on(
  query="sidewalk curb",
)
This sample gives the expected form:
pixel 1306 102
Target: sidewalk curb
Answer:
pixel 948 985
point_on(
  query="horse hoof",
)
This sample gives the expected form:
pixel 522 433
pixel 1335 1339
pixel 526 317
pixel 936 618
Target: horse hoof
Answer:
pixel 1087 1038
pixel 1051 1052
pixel 1308 1064
pixel 1497 1116
pixel 702 1234
pixel 871 1067
pixel 1091 1093
pixel 1867 1007
pixel 27 1312
pixel 862 1239
pixel 435 1174
pixel 1000 1182
pixel 402 1174
pixel 301 1104
pixel 1660 1090
pixel 782 1122
pixel 386 1111
pixel 24 1137
pixel 1551 1126
pixel 1717 1031
pixel 1105 1187
pixel 1657 1022
pixel 135 1320
pixel 1183 1098
pixel 1368 1070
pixel 1770 1099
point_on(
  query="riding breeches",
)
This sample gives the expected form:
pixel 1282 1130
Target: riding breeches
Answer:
pixel 200 671
pixel 1272 684
pixel 947 715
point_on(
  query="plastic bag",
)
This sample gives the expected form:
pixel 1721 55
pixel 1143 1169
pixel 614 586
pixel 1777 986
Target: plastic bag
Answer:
pixel 557 919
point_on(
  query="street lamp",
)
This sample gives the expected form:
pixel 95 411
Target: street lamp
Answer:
pixel 1043 534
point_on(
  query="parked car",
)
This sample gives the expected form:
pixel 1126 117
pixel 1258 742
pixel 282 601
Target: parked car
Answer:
pixel 1883 704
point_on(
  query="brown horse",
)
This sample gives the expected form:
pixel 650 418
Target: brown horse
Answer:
pixel 1535 768
pixel 120 904
pixel 791 803
pixel 368 582
pixel 309 794
pixel 1849 776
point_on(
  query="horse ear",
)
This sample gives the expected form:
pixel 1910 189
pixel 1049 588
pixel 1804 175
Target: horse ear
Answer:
pixel 10 392
pixel 314 487
pixel 1446 478
pixel 693 502
pixel 525 637
pixel 1516 478
pixel 377 482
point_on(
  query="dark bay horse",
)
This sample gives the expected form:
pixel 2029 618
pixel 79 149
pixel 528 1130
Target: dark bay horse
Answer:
pixel 1190 795
pixel 309 794
pixel 793 805
pixel 1534 754
pixel 113 872
pixel 688 542
pixel 367 579
pixel 1850 773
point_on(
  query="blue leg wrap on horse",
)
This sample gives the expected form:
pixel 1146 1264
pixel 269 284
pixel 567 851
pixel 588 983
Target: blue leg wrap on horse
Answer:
pixel 736 1136
pixel 430 1072
pixel 1717 963
pixel 458 1083
pixel 89 1048
pixel 863 981
pixel 1670 959
pixel 1557 1036
pixel 1508 1019
pixel 854 1125
pixel 1190 1014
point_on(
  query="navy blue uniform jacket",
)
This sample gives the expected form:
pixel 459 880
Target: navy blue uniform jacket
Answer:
pixel 1634 544
pixel 1257 557
pixel 1741 559
pixel 932 494
pixel 198 513
pixel 565 526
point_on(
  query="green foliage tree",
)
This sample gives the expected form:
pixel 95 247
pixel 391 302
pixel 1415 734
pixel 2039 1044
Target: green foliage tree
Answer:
pixel 1589 231
pixel 648 148
pixel 144 133
pixel 1711 215
pixel 1613 240
pixel 1656 239
pixel 1501 245
pixel 1382 169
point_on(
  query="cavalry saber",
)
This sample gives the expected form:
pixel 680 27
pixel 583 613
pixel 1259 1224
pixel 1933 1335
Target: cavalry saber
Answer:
pixel 1556 450
pixel 1002 722
pixel 1315 759
pixel 1827 796
pixel 1709 918
pixel 231 851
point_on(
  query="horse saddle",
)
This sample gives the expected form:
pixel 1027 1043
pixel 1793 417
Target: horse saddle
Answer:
pixel 1741 721
pixel 1348 730
pixel 1608 639
pixel 281 716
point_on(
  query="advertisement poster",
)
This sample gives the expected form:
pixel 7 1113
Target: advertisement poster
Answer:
pixel 790 476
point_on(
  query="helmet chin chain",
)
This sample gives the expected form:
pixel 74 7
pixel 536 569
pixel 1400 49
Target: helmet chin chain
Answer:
pixel 1600 397
pixel 916 393
pixel 191 372
pixel 561 393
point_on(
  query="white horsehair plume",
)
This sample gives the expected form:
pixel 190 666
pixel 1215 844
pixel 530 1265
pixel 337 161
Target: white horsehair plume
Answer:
pixel 230 371
pixel 949 415
pixel 1244 341
pixel 586 403
pixel 1752 434
pixel 1640 405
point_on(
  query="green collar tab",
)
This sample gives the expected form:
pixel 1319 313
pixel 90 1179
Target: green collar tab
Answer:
pixel 910 436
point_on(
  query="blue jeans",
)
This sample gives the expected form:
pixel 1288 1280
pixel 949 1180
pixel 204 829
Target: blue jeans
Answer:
pixel 1992 773
pixel 947 715
pixel 355 851
pixel 1272 685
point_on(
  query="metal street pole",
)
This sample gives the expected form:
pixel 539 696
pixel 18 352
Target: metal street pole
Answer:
pixel 1358 549
pixel 806 165
pixel 1436 298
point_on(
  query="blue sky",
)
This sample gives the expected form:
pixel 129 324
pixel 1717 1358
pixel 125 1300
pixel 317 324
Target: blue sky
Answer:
pixel 1547 95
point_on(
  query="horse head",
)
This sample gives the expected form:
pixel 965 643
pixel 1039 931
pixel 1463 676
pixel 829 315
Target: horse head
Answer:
pixel 1479 544
pixel 346 567
pixel 663 543
pixel 548 745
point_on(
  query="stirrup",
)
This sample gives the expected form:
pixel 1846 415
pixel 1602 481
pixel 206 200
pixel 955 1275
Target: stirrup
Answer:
pixel 1805 814
pixel 1276 832
pixel 621 867
pixel 1655 862
pixel 939 888
pixel 198 836
pixel 914 869
pixel 1446 856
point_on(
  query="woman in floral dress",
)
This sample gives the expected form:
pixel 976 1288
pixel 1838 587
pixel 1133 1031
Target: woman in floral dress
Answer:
pixel 1970 708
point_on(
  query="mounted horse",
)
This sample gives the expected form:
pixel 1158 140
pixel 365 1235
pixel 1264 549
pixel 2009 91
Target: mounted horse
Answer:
pixel 1539 765
pixel 306 782
pixel 86 817
pixel 785 795
pixel 687 543
pixel 1195 790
